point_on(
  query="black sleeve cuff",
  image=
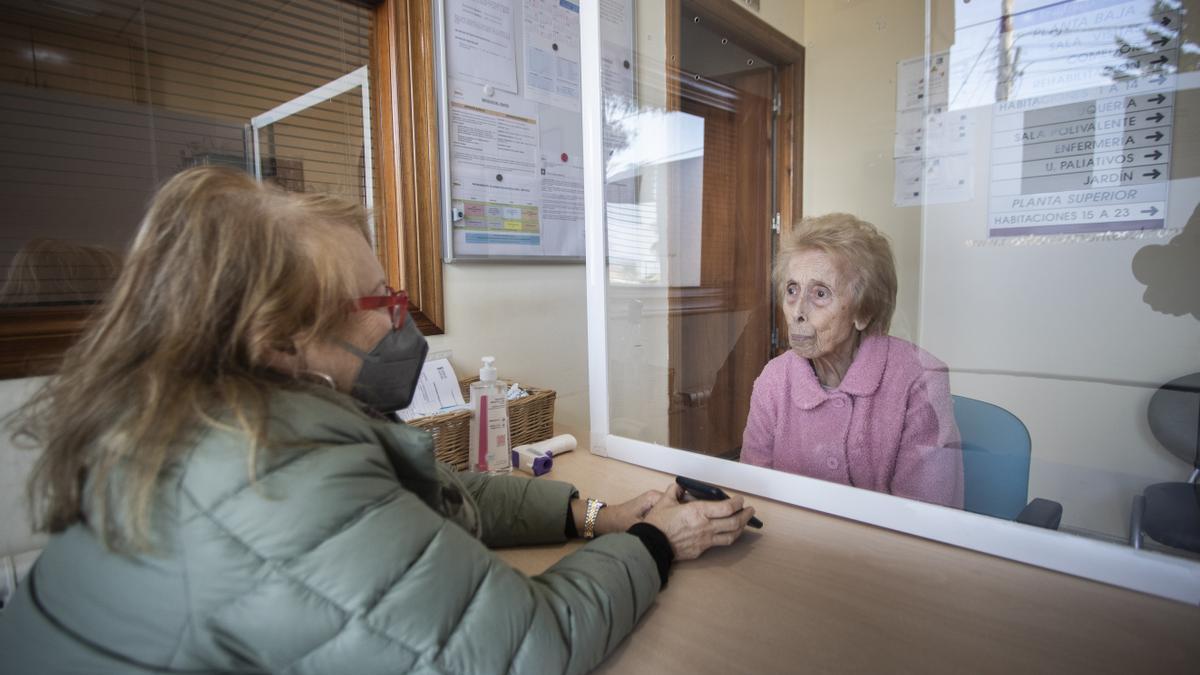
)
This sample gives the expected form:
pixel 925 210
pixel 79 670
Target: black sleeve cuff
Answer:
pixel 658 545
pixel 570 529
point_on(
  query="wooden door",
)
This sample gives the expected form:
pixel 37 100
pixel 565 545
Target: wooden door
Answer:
pixel 720 319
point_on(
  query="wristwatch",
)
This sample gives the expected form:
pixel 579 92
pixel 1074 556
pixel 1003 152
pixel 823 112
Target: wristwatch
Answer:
pixel 589 518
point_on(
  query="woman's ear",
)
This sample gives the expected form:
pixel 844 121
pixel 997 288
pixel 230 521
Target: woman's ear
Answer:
pixel 283 357
pixel 860 324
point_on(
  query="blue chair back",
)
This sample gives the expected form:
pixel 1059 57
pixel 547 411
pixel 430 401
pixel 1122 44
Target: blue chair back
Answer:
pixel 995 458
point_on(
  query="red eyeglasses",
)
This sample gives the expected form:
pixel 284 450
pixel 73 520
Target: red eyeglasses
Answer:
pixel 395 301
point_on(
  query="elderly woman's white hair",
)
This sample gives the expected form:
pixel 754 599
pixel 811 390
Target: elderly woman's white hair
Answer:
pixel 863 255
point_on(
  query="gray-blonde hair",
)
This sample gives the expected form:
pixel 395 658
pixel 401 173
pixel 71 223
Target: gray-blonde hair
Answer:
pixel 861 252
pixel 223 273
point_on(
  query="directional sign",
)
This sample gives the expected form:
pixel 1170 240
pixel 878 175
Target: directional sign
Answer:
pixel 1093 158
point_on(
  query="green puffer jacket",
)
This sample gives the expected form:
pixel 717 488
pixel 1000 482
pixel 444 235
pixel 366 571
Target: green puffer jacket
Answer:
pixel 356 554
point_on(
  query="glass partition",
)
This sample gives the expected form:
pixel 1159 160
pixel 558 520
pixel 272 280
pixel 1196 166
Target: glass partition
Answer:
pixel 103 100
pixel 688 201
pixel 1002 321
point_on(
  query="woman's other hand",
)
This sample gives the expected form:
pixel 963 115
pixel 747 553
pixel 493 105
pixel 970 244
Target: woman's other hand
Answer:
pixel 694 527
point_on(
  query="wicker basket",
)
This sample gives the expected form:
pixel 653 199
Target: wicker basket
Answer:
pixel 530 419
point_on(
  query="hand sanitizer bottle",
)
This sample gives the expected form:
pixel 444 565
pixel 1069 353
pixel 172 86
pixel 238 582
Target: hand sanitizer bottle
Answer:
pixel 489 422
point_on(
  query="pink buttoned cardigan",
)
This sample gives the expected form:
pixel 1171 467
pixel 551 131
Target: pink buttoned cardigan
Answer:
pixel 889 426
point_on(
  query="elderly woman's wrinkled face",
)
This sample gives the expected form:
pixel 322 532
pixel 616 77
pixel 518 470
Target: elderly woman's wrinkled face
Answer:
pixel 819 305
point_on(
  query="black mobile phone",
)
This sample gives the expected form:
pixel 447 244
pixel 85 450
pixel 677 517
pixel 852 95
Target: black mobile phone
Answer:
pixel 711 493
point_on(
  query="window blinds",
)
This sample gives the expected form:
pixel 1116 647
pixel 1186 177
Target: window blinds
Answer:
pixel 103 100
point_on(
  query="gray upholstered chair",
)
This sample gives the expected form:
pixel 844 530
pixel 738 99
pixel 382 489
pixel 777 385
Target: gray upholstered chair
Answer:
pixel 1170 512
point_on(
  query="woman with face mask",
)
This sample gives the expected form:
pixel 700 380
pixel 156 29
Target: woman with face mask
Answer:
pixel 223 497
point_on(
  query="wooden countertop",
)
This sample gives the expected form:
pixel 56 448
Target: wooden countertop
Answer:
pixel 816 593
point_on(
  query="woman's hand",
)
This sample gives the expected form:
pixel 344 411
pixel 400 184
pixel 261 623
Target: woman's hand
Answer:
pixel 694 527
pixel 619 517
pixel 616 517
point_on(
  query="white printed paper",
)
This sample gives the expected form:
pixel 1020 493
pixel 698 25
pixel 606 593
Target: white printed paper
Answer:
pixel 562 209
pixel 943 179
pixel 934 132
pixel 479 43
pixel 910 133
pixel 921 86
pixel 497 215
pixel 933 145
pixel 551 37
pixel 616 67
pixel 437 391
pixel 616 22
pixel 495 173
pixel 907 189
pixel 497 134
pixel 949 132
pixel 949 179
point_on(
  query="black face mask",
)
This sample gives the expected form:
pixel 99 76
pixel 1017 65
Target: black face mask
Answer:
pixel 390 371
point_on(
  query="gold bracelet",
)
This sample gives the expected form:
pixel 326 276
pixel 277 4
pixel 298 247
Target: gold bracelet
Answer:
pixel 589 519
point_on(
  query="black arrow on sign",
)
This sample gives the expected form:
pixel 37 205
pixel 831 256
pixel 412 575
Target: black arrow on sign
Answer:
pixel 1159 80
pixel 1156 136
pixel 1157 99
pixel 1166 21
pixel 1154 155
pixel 1150 211
pixel 1156 117
pixel 1153 174
pixel 1162 41
pixel 1159 61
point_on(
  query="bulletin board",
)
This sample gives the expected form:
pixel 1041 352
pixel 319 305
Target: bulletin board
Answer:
pixel 511 129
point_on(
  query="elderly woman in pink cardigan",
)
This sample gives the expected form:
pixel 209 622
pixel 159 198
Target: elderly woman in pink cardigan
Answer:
pixel 848 403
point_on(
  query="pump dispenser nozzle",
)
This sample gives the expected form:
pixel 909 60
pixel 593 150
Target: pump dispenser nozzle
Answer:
pixel 488 372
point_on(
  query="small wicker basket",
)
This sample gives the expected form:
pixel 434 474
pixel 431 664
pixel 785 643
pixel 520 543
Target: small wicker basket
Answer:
pixel 530 419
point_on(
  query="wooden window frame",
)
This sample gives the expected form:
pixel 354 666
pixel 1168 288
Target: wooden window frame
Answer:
pixel 409 216
pixel 404 96
pixel 33 339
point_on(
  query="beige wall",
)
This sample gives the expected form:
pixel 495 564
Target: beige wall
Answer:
pixel 851 50
pixel 533 319
pixel 786 16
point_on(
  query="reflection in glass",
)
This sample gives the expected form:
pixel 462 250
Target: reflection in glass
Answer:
pixel 302 151
pixel 1033 164
pixel 1170 272
pixel 103 100
pixel 1057 289
pixel 58 272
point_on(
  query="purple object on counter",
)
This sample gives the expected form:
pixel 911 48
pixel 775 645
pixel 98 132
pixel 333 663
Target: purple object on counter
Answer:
pixel 542 465
pixel 539 465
